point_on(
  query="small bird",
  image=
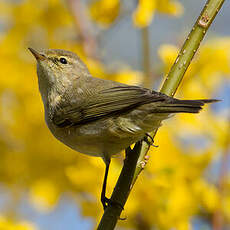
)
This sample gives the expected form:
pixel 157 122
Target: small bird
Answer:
pixel 99 117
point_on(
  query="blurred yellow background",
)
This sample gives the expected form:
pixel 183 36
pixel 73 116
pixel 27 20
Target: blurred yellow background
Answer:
pixel 186 183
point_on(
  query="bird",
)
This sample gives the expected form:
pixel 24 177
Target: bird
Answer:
pixel 95 116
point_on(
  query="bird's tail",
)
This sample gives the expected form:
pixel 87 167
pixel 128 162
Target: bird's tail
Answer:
pixel 183 106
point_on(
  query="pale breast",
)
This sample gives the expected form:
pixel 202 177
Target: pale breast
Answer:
pixel 107 136
pixel 99 138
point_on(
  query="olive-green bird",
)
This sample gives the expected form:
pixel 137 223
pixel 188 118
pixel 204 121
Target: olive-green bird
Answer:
pixel 99 117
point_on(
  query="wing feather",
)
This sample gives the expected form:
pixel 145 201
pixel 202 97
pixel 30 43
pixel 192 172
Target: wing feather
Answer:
pixel 106 102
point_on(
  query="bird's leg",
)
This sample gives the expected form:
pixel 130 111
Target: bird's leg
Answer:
pixel 104 199
pixel 151 142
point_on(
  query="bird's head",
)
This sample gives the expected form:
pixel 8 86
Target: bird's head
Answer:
pixel 56 66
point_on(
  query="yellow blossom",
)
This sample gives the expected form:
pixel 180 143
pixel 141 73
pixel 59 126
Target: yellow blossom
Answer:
pixel 7 224
pixel 168 54
pixel 144 13
pixel 44 195
pixel 105 11
pixel 146 9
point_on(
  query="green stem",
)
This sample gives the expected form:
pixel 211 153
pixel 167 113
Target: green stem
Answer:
pixel 183 60
pixel 173 79
pixel 190 46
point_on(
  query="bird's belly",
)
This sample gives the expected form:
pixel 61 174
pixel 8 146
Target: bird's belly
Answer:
pixel 95 138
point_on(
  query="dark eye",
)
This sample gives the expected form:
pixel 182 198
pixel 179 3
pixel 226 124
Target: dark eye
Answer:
pixel 63 60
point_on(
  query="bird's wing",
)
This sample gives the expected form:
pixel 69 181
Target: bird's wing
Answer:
pixel 106 102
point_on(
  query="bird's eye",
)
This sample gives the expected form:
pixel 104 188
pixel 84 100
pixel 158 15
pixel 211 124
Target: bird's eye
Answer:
pixel 63 60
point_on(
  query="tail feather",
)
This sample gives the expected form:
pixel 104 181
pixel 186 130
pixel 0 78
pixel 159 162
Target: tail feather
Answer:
pixel 197 102
pixel 183 106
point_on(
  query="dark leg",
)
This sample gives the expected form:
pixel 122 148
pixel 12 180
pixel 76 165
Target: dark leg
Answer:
pixel 151 140
pixel 104 199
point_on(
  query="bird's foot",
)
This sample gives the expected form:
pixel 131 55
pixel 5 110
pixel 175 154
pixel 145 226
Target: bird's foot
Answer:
pixel 149 140
pixel 106 202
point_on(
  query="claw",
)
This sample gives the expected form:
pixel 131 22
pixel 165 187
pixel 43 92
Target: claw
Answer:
pixel 106 202
pixel 149 142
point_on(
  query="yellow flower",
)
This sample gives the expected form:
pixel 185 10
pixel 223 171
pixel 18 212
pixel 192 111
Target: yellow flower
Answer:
pixel 172 7
pixel 128 76
pixel 211 198
pixel 207 194
pixel 181 202
pixel 44 194
pixel 183 225
pixel 168 54
pixel 226 205
pixel 7 224
pixel 144 13
pixel 104 12
pixel 146 9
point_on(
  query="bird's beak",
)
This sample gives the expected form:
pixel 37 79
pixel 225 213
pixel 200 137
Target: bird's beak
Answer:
pixel 37 55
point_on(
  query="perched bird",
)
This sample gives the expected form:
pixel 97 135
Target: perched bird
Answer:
pixel 99 117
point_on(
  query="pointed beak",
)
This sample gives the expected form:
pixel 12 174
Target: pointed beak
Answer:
pixel 37 55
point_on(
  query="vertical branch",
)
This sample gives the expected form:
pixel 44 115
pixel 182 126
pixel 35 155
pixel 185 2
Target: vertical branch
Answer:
pixel 84 27
pixel 146 57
